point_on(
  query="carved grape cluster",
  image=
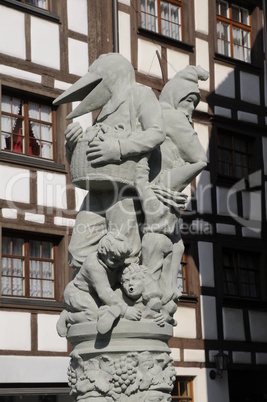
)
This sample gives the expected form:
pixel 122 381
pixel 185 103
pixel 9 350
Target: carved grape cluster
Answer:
pixel 125 372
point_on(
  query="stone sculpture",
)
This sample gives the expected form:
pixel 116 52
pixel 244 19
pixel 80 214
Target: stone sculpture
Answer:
pixel 126 245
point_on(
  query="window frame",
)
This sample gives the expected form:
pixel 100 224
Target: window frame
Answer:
pixel 35 5
pixel 232 23
pixel 177 386
pixel 27 98
pixel 233 136
pixel 184 277
pixel 27 237
pixel 158 17
pixel 235 254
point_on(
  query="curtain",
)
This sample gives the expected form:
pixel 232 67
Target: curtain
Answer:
pixel 43 131
pixel 42 4
pixel 7 122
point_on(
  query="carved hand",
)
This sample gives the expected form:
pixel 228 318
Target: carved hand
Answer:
pixel 102 150
pixel 72 134
pixel 133 313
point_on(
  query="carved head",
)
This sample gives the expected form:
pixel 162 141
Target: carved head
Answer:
pixel 133 280
pixel 182 85
pixel 106 85
pixel 113 249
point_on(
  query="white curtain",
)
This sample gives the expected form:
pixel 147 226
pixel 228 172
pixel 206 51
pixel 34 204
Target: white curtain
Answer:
pixel 42 131
pixel 7 122
pixel 42 4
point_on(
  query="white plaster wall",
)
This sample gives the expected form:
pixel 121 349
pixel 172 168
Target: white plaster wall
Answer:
pixel 125 35
pixel 12 33
pixel 258 326
pixel 224 80
pixel 241 357
pixel 61 85
pixel 206 268
pixel 222 111
pixel 85 120
pixel 224 228
pixel 59 221
pixel 186 323
pixel 147 58
pixel 15 184
pixel 79 197
pixel 78 57
pixel 194 355
pixel 21 74
pixel 51 190
pixel 37 218
pixel 202 107
pixel 208 317
pixel 202 16
pixel 203 192
pixel 251 232
pixel 233 324
pixel 48 338
pixel 250 88
pixel 203 136
pixel 15 331
pixel 249 117
pixel 126 2
pixel 176 61
pixel 205 389
pixel 29 369
pixel 9 213
pixel 202 59
pixel 261 358
pixel 45 43
pixel 251 202
pixel 226 202
pixel 77 16
pixel 176 354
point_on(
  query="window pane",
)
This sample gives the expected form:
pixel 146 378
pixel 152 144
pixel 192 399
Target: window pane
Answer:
pixel 35 288
pixel 35 269
pixel 235 13
pixel 244 16
pixel 5 285
pixel 47 270
pixel 18 246
pixel 6 245
pixel 35 248
pixel 47 289
pixel 47 249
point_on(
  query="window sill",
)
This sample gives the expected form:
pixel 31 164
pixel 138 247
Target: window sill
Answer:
pixel 31 304
pixel 30 161
pixel 235 301
pixel 38 12
pixel 237 63
pixel 166 39
pixel 188 299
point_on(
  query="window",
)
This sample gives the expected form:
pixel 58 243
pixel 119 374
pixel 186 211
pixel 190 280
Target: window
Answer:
pixel 234 155
pixel 26 127
pixel 182 275
pixel 37 3
pixel 163 17
pixel 183 390
pixel 28 267
pixel 233 31
pixel 241 273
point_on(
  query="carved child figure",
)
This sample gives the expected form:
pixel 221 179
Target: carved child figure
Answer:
pixel 133 282
pixel 93 284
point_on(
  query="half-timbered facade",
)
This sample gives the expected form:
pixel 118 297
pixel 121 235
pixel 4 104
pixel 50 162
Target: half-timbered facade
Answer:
pixel 47 45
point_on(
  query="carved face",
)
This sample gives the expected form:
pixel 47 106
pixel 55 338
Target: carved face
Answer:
pixel 112 260
pixel 133 284
pixel 188 105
